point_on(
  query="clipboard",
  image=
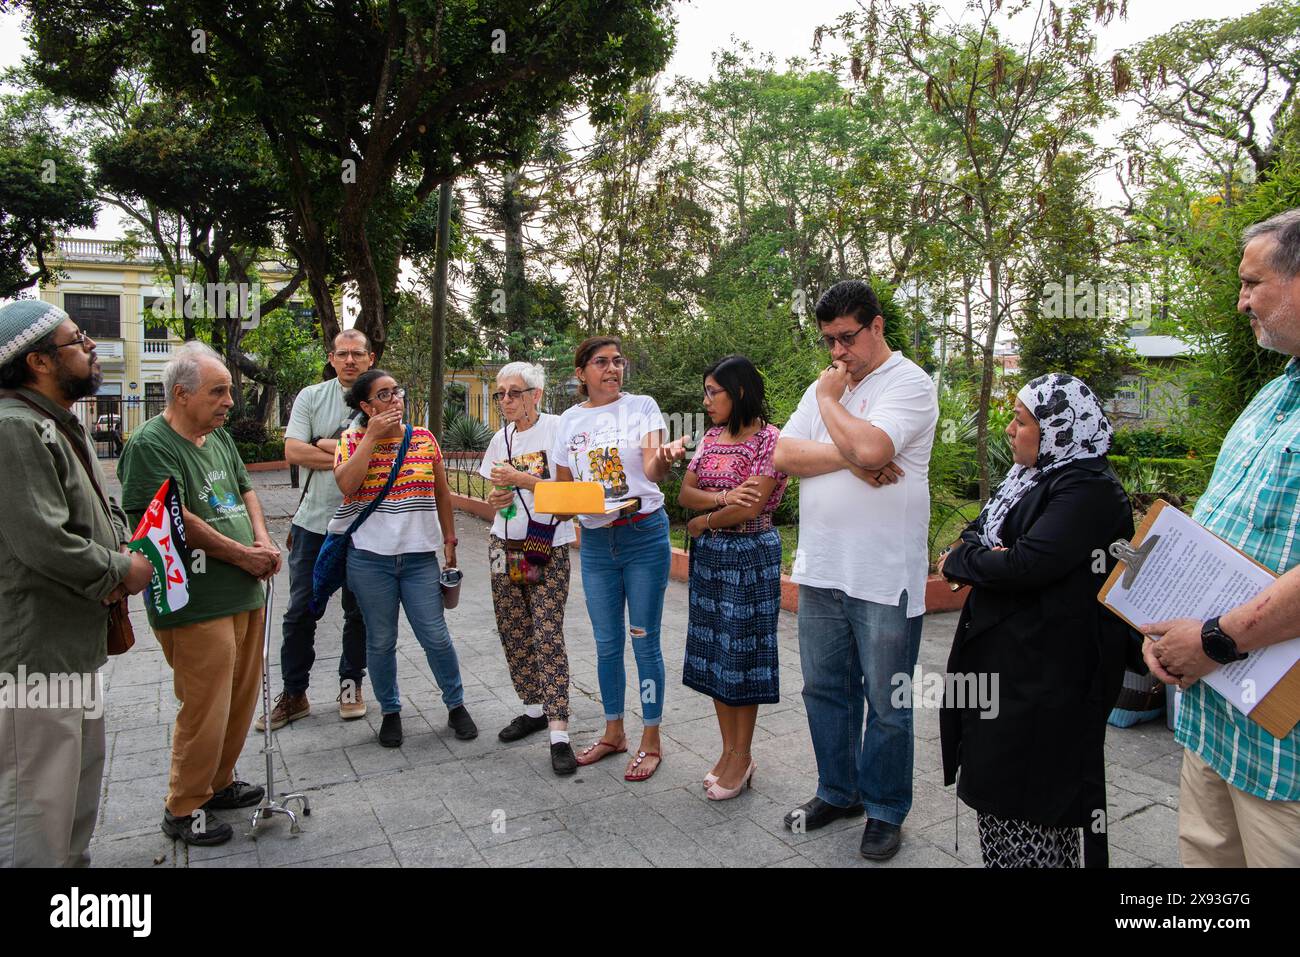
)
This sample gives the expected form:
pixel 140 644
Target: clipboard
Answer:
pixel 1279 710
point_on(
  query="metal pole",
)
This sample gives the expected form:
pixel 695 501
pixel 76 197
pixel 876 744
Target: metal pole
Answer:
pixel 439 336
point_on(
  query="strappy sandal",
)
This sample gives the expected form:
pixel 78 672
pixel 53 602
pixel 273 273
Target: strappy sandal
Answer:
pixel 584 760
pixel 631 775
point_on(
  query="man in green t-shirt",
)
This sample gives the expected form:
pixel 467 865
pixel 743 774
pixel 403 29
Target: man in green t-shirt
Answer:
pixel 213 643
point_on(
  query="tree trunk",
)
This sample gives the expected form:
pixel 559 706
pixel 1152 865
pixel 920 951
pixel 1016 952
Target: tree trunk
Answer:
pixel 986 380
pixel 512 220
pixel 355 246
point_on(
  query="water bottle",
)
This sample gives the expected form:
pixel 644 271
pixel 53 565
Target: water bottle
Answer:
pixel 511 510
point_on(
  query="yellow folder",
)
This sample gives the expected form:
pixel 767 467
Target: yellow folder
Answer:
pixel 575 498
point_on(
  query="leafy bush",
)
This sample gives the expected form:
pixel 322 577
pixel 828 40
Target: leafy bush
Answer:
pixel 1185 478
pixel 247 430
pixel 1149 443
pixel 252 452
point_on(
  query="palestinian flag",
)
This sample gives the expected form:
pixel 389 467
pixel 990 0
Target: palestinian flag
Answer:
pixel 160 537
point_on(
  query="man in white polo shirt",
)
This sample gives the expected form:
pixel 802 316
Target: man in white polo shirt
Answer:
pixel 860 444
pixel 318 418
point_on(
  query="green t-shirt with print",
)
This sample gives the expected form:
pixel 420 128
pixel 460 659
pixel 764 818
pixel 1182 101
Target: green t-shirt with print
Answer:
pixel 211 481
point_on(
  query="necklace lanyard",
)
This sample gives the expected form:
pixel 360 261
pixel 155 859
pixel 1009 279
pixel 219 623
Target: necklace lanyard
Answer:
pixel 511 458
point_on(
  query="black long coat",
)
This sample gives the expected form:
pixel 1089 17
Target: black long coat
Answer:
pixel 1032 617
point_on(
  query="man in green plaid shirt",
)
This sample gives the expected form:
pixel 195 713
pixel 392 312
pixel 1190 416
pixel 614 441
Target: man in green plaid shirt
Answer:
pixel 1239 795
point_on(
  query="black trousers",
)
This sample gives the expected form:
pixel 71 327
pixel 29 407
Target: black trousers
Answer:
pixel 298 652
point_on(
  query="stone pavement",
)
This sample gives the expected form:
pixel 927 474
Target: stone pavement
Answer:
pixel 439 801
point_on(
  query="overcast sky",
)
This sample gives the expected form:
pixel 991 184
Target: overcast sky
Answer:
pixel 785 29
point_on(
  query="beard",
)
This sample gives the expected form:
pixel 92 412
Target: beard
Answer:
pixel 76 387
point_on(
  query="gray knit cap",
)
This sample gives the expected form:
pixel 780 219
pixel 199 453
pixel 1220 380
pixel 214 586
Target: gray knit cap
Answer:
pixel 24 323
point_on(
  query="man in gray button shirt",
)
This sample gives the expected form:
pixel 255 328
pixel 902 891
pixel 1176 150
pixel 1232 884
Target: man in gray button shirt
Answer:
pixel 318 418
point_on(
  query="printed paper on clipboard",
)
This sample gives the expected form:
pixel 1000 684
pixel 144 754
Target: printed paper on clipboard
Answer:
pixel 1176 568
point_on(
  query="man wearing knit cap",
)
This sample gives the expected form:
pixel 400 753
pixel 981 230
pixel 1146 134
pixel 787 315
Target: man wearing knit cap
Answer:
pixel 62 565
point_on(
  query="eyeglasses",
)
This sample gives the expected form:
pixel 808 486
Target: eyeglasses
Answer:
pixel 383 395
pixel 711 393
pixel 513 394
pixel 846 339
pixel 604 362
pixel 358 356
pixel 82 340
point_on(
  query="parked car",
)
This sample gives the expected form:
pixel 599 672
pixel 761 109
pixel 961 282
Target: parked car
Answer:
pixel 108 428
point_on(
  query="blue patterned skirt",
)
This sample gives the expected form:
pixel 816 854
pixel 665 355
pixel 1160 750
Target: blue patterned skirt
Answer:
pixel 735 603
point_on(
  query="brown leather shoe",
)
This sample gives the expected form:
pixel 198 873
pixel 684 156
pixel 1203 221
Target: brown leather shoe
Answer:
pixel 351 704
pixel 288 707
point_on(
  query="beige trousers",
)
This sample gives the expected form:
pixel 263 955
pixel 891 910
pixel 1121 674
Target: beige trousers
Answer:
pixel 1223 826
pixel 217 677
pixel 51 769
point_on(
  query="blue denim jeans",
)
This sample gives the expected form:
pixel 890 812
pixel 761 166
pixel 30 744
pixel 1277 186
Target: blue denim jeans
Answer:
pixel 627 566
pixel 298 651
pixel 850 650
pixel 381 583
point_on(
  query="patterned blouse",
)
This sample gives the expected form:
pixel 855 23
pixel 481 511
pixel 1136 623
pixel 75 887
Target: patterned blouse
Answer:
pixel 720 466
pixel 406 521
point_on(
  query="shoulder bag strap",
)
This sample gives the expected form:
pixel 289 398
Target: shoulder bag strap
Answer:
pixel 392 477
pixel 510 458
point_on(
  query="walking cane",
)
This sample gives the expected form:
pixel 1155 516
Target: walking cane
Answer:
pixel 269 805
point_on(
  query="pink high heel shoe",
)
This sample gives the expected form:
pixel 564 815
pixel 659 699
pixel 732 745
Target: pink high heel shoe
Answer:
pixel 717 793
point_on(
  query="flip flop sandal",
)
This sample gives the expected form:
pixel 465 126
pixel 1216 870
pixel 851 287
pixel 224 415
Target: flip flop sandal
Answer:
pixel 636 763
pixel 611 749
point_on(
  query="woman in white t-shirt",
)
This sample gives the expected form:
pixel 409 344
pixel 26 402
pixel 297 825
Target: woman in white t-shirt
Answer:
pixel 619 440
pixel 528 558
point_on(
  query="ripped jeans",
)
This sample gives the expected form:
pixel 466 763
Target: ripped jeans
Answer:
pixel 627 566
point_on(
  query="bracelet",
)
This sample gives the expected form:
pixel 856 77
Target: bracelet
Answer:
pixel 452 541
pixel 708 521
pixel 724 496
pixel 719 499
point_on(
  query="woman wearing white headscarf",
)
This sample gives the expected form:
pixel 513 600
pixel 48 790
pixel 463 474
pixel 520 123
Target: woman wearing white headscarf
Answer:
pixel 1038 661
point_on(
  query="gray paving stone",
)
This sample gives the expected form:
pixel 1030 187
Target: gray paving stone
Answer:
pixel 139 739
pixel 443 845
pixel 153 849
pixel 1151 834
pixel 318 769
pixel 742 843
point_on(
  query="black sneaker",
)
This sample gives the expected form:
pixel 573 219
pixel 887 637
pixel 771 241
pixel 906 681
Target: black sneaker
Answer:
pixel 458 720
pixel 390 731
pixel 199 828
pixel 522 727
pixel 563 760
pixel 238 794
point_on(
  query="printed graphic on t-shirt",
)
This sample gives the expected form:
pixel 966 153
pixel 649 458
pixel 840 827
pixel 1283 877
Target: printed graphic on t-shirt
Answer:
pixel 607 469
pixel 221 500
pixel 532 463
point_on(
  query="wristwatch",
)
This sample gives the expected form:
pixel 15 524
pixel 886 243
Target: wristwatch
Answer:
pixel 1217 645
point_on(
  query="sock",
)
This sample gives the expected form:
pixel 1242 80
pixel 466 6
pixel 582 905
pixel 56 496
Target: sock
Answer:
pixel 559 737
pixel 533 710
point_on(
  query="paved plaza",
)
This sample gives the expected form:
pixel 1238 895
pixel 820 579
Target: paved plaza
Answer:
pixel 443 802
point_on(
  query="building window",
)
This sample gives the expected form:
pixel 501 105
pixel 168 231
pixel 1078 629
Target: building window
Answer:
pixel 155 327
pixel 98 316
pixel 154 400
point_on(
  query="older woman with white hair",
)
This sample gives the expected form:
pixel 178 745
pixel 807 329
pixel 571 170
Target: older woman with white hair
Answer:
pixel 528 554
